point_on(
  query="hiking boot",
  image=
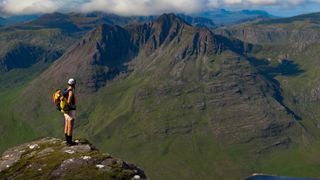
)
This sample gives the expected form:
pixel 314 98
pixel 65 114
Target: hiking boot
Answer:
pixel 70 142
pixel 66 136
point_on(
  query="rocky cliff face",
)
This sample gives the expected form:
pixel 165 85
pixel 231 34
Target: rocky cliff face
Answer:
pixel 50 158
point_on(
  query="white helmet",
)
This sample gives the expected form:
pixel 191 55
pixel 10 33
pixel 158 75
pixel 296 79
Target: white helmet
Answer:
pixel 72 82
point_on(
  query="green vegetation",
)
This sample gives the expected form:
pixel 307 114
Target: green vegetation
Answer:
pixel 14 131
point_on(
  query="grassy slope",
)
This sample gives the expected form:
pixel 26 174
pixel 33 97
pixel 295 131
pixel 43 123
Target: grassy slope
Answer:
pixel 164 153
pixel 301 47
pixel 297 87
pixel 191 155
pixel 13 130
pixel 179 153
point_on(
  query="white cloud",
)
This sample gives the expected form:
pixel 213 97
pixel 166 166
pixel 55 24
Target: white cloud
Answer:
pixel 29 6
pixel 144 7
pixel 135 7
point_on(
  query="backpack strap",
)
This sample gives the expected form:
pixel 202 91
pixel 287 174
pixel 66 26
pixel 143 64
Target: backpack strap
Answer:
pixel 65 92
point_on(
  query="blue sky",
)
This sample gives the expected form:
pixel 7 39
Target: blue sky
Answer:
pixel 286 11
pixel 151 7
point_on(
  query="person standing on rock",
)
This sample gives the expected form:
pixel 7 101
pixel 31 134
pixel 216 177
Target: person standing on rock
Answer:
pixel 70 116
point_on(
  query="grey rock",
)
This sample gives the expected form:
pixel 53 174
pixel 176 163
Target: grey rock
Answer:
pixel 82 148
pixel 45 152
pixel 82 155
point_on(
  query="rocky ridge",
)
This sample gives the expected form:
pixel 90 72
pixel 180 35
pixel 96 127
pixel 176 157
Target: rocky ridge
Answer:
pixel 50 158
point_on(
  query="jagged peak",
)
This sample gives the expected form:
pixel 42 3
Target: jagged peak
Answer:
pixel 101 32
pixel 98 57
pixel 170 18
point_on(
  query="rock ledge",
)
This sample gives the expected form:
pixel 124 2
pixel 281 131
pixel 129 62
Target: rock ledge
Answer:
pixel 50 158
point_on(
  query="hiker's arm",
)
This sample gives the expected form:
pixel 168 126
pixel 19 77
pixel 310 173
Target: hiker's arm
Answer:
pixel 69 97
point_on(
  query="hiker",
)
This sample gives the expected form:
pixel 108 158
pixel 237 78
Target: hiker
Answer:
pixel 70 115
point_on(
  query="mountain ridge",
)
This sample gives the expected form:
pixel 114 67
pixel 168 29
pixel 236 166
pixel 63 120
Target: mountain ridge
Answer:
pixel 88 58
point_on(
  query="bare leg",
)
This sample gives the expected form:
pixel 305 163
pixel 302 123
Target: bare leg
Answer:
pixel 69 127
pixel 65 126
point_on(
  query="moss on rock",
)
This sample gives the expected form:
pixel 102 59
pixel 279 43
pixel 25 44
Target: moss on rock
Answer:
pixel 50 158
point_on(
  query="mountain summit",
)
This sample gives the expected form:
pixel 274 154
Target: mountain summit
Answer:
pixel 103 53
pixel 50 158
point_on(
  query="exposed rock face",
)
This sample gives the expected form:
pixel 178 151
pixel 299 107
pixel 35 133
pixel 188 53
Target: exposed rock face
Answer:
pixel 98 57
pixel 50 158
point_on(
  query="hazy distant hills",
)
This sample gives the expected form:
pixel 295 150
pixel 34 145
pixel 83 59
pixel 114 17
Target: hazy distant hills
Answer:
pixel 298 31
pixel 166 92
pixel 225 17
pixel 6 21
pixel 217 16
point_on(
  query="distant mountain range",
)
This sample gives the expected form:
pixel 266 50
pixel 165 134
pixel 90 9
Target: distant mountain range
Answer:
pixel 207 18
pixel 5 21
pixel 225 17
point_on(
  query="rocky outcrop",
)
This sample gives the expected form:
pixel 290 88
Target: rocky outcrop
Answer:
pixel 50 158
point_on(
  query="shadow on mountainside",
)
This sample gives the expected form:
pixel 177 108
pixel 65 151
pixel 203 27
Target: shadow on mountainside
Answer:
pixel 285 68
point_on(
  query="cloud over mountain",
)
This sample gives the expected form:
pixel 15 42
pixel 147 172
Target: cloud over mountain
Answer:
pixel 134 7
